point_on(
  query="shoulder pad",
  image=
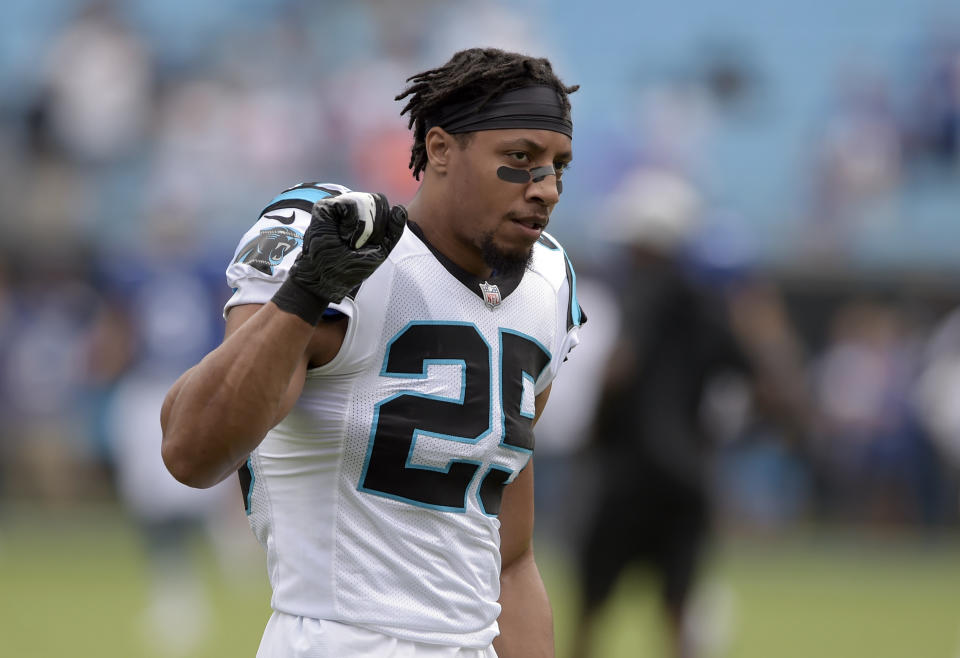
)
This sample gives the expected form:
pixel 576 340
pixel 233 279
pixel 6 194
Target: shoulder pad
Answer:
pixel 303 196
pixel 562 268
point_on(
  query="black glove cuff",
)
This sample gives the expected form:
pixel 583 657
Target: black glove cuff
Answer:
pixel 294 298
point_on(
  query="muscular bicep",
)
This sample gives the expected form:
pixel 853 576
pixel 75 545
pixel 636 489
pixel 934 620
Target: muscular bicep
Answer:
pixel 236 317
pixel 326 342
pixel 171 398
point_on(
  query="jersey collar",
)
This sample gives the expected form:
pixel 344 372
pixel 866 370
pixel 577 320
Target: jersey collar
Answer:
pixel 506 284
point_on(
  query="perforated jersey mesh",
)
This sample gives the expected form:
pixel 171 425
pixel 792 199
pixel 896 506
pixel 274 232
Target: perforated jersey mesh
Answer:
pixel 415 549
pixel 401 567
pixel 259 516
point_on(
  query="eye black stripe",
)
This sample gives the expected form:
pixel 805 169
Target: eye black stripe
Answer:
pixel 512 175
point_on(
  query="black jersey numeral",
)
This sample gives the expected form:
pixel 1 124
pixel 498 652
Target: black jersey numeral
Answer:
pixel 522 359
pixel 401 418
pixel 398 418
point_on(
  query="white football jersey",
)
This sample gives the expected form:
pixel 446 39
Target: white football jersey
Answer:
pixel 376 498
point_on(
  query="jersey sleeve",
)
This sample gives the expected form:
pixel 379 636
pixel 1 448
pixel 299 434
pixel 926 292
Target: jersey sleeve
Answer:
pixel 570 315
pixel 268 249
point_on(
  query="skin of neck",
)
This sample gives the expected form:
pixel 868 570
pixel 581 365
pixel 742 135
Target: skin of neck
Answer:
pixel 431 209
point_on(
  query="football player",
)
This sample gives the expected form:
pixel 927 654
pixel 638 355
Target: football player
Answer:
pixel 381 374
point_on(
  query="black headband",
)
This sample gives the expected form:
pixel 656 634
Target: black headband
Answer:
pixel 537 107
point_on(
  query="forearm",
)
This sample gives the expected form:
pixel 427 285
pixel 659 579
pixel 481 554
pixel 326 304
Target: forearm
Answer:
pixel 220 410
pixel 526 620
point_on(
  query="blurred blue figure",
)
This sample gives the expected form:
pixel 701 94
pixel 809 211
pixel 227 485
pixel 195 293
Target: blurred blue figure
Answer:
pixel 43 369
pixel 872 450
pixel 171 307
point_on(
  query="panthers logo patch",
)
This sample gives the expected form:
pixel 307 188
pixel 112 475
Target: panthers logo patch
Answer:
pixel 268 249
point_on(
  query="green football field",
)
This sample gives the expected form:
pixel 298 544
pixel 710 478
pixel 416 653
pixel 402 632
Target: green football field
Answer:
pixel 76 584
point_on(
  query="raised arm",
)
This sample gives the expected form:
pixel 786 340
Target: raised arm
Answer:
pixel 220 410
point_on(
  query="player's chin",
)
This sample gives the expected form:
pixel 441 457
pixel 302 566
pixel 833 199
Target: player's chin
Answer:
pixel 507 258
pixel 518 245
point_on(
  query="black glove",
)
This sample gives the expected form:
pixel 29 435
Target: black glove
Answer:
pixel 348 237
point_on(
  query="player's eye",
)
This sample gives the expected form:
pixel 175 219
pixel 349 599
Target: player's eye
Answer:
pixel 519 156
pixel 561 167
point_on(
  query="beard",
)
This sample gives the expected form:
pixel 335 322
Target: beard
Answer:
pixel 504 263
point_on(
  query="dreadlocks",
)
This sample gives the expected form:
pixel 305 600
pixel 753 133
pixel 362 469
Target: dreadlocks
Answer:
pixel 475 74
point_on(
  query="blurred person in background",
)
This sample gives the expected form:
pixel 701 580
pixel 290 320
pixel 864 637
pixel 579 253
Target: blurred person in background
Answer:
pixel 565 423
pixel 870 447
pixel 857 168
pixel 43 374
pixel 651 446
pixel 938 390
pixel 933 115
pixel 379 380
pixel 99 86
pixel 159 316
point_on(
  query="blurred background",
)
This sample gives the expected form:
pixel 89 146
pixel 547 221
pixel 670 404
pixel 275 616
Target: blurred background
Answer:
pixel 796 165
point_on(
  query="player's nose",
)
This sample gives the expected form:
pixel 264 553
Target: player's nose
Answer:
pixel 545 190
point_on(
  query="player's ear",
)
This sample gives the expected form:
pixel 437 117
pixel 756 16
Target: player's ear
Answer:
pixel 438 144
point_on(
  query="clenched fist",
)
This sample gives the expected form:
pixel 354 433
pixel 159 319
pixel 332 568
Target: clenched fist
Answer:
pixel 348 237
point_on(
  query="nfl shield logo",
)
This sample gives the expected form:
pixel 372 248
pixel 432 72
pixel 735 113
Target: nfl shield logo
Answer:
pixel 491 295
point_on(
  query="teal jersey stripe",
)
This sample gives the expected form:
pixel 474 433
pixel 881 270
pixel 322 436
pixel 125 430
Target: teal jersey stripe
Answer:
pixel 310 194
pixel 574 302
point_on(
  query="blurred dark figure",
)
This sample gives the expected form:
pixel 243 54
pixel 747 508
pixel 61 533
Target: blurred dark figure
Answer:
pixel 651 446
